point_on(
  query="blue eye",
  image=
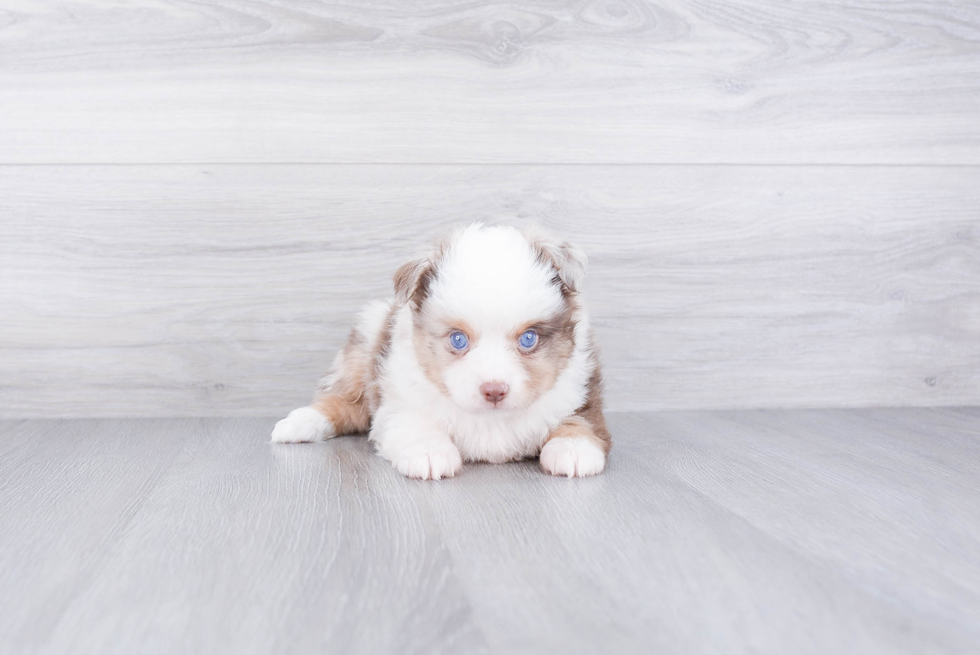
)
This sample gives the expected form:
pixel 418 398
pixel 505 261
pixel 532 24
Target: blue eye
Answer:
pixel 458 340
pixel 528 339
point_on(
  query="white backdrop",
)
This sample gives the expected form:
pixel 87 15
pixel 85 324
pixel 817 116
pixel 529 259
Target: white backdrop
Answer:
pixel 781 204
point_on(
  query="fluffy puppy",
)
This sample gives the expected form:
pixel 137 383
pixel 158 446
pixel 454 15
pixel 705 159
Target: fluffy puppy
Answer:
pixel 483 355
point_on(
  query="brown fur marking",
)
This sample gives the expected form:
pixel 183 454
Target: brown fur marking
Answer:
pixel 576 427
pixel 591 411
pixel 567 260
pixel 379 354
pixel 588 420
pixel 431 348
pixel 350 393
pixel 556 343
pixel 347 417
pixel 413 279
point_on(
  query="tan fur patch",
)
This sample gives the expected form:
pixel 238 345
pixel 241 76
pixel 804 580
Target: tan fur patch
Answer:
pixel 567 260
pixel 378 356
pixel 349 396
pixel 347 417
pixel 556 342
pixel 412 279
pixel 591 411
pixel 432 348
pixel 577 427
pixel 342 401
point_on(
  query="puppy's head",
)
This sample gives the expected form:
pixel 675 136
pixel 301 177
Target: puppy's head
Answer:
pixel 494 312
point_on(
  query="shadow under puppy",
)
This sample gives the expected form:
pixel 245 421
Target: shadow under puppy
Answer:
pixel 484 354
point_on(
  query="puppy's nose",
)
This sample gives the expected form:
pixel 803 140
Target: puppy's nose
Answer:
pixel 494 392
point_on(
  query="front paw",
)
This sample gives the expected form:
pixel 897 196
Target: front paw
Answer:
pixel 572 457
pixel 303 425
pixel 429 462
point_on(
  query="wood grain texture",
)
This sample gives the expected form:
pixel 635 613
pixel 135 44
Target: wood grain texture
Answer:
pixel 624 81
pixel 190 291
pixel 235 548
pixel 85 481
pixel 845 531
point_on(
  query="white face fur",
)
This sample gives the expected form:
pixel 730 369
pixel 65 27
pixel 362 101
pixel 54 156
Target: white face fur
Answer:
pixel 494 324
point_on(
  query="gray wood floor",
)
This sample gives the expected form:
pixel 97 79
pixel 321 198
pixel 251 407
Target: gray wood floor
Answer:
pixel 823 531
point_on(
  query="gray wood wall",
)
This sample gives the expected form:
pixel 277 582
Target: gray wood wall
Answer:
pixel 781 201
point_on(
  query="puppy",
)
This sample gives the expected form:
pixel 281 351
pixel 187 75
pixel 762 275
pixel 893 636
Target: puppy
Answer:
pixel 483 355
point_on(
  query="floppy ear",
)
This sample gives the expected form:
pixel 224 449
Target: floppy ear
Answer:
pixel 568 260
pixel 412 280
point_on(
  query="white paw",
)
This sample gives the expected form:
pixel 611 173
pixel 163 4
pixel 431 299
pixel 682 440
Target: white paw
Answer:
pixel 302 426
pixel 430 461
pixel 572 457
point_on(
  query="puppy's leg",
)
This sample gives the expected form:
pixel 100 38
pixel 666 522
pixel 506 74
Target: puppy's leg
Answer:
pixel 303 425
pixel 579 445
pixel 328 416
pixel 341 405
pixel 415 445
pixel 574 449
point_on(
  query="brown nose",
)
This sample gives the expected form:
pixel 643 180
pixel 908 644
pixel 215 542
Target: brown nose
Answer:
pixel 494 392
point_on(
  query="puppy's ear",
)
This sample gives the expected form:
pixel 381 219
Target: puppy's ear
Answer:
pixel 412 281
pixel 568 260
pixel 413 278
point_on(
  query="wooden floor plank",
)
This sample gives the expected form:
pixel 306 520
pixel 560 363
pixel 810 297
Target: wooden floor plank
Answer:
pixel 852 490
pixel 646 550
pixel 765 531
pixel 246 547
pixel 69 490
